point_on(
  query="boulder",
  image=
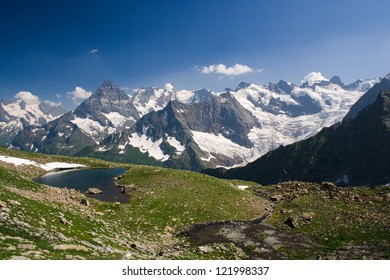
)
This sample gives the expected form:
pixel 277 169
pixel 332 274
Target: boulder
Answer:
pixel 276 197
pixel 94 191
pixel 64 247
pixel 206 249
pixel 168 229
pixel 14 202
pixel 3 204
pixel 291 222
pixel 128 188
pixel 84 202
pixel 328 185
pixel 308 217
pixel 64 221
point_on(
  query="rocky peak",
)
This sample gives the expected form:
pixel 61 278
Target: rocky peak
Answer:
pixel 336 80
pixel 242 85
pixel 285 86
pixel 107 87
pixel 107 98
pixel 273 87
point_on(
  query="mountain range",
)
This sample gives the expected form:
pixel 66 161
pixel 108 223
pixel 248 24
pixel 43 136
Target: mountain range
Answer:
pixel 355 152
pixel 194 129
pixel 24 111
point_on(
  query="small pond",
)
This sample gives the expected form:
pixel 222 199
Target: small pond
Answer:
pixel 87 178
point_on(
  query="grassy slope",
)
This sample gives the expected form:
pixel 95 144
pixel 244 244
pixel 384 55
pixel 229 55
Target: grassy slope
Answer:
pixel 165 202
pixel 348 223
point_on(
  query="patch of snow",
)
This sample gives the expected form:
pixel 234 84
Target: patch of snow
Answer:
pixel 103 149
pixel 146 144
pixel 218 144
pixel 184 96
pixel 17 161
pixel 176 144
pixel 60 165
pixel 116 118
pixel 48 166
pixel 151 99
pixel 88 126
pixel 122 147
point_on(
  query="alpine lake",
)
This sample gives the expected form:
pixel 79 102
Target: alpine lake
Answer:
pixel 84 179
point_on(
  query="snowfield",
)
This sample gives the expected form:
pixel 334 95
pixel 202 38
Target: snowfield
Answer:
pixel 50 166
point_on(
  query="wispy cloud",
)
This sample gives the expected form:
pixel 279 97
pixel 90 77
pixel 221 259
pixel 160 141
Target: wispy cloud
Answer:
pixel 235 70
pixel 93 51
pixel 53 104
pixel 78 95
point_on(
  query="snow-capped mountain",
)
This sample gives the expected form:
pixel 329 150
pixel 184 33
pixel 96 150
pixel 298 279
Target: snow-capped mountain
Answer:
pixel 154 99
pixel 288 113
pixel 198 129
pixel 106 111
pixel 26 110
pixel 191 136
pixel 355 152
pixel 280 113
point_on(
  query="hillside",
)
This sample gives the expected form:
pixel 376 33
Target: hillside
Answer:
pixel 176 214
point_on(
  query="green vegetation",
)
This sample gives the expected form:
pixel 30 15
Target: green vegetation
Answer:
pixel 306 221
pixel 41 222
pixel 348 223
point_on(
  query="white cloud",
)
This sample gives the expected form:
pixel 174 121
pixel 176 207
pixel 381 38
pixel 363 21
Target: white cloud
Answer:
pixel 53 104
pixel 313 77
pixel 79 94
pixel 168 87
pixel 235 70
pixel 93 51
pixel 28 97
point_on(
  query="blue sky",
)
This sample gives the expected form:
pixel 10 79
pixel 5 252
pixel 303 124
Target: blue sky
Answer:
pixel 51 47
